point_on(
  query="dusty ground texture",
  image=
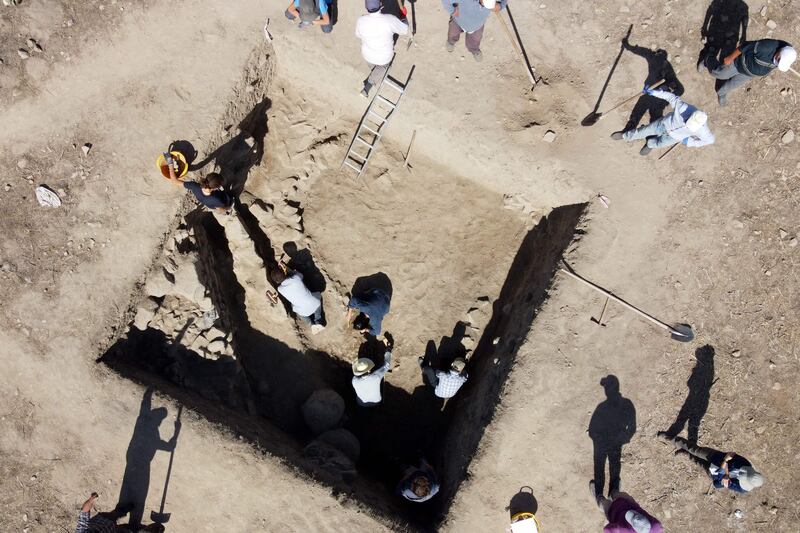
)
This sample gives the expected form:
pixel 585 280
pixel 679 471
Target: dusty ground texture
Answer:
pixel 703 236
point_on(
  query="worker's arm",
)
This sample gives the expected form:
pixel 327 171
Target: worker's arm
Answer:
pixel 696 140
pixel 732 56
pixel 667 96
pixel 292 9
pixel 399 27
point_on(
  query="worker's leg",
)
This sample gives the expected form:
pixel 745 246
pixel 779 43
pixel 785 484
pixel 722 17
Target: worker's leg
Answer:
pixel 376 76
pixel 661 141
pixel 648 130
pixel 733 83
pixel 453 32
pixel 473 40
pixel 429 376
pixel 725 72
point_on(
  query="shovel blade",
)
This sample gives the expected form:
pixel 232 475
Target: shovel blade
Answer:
pixel 159 518
pixel 591 119
pixel 681 333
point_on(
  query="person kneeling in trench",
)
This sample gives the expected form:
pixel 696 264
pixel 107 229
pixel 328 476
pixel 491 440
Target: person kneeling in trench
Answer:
pixel 686 124
pixel 445 383
pixel 305 304
pixel 367 380
pixel 368 309
pixel 208 191
pixel 419 484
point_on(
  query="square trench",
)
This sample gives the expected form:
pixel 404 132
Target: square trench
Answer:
pixel 204 334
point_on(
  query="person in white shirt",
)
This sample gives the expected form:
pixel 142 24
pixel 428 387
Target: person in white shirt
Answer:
pixel 686 124
pixel 305 304
pixel 376 31
pixel 367 379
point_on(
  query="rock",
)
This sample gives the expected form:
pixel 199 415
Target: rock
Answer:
pixel 764 11
pixel 777 386
pixel 187 282
pixel 549 136
pixel 787 137
pixel 216 346
pixel 23 53
pixel 782 233
pixel 157 284
pixel 793 242
pixel 736 354
pixel 215 333
pixel 344 441
pixel 22 163
pixel 329 459
pixel 771 24
pixel 143 318
pixel 7 187
pixel 323 410
pixel 86 147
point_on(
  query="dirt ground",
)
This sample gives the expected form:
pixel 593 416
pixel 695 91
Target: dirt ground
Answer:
pixel 704 236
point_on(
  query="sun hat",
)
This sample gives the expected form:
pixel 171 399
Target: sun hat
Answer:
pixel 696 121
pixel 788 55
pixel 489 4
pixel 639 522
pixel 362 366
pixel 749 478
pixel 372 5
pixel 458 365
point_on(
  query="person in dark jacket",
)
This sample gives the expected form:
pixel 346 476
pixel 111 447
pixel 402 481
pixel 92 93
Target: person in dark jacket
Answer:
pixel 752 59
pixel 366 311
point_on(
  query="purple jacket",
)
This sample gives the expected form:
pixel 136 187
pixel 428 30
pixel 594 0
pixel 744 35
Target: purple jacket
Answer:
pixel 616 517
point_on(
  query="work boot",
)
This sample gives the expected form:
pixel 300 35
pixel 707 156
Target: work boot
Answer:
pixel 366 89
pixel 450 46
pixel 702 65
pixel 617 135
pixel 723 100
pixel 478 56
pixel 645 150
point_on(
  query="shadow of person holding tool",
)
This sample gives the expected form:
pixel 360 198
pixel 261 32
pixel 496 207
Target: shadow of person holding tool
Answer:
pixel 591 118
pixel 696 403
pixel 658 68
pixel 612 425
pixel 724 28
pixel 144 444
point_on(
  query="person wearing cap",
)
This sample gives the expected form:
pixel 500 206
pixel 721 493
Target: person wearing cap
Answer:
pixel 367 379
pixel 445 383
pixel 469 16
pixel 624 514
pixel 751 60
pixel 376 31
pixel 305 304
pixel 419 484
pixel 311 13
pixel 366 311
pixel 726 470
pixel 686 124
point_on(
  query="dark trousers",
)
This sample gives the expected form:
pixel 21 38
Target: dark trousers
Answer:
pixel 473 40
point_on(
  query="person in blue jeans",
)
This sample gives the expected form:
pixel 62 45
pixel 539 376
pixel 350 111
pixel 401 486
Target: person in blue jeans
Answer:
pixel 311 13
pixel 686 125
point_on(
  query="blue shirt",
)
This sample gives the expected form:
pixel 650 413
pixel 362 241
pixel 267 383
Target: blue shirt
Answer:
pixel 375 304
pixel 322 4
pixel 215 200
pixel 471 14
pixel 717 473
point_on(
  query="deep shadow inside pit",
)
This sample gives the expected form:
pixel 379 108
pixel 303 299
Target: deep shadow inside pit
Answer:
pixel 260 393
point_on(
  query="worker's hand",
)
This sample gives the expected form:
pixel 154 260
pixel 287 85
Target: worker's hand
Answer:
pixel 455 12
pixel 646 89
pixel 725 481
pixel 728 60
pixel 728 457
pixel 88 504
pixel 349 315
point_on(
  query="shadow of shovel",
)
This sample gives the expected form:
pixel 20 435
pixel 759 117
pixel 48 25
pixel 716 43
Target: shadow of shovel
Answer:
pixel 161 517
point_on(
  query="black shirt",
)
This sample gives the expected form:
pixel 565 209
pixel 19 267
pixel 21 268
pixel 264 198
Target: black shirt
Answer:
pixel 215 200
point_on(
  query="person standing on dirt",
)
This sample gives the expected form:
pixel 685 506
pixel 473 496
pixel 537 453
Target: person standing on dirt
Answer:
pixel 305 304
pixel 419 484
pixel 106 522
pixel 686 125
pixel 624 514
pixel 445 383
pixel 753 59
pixel 469 16
pixel 367 311
pixel 367 380
pixel 208 191
pixel 726 470
pixel 311 13
pixel 377 33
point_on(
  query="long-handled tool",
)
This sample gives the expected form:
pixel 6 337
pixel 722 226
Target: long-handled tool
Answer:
pixel 413 23
pixel 408 153
pixel 678 332
pixel 531 69
pixel 794 72
pixel 662 156
pixel 516 47
pixel 585 122
pixel 161 517
pixel 593 117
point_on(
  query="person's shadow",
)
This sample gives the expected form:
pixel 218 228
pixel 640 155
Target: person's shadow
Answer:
pixel 658 68
pixel 724 28
pixel 612 425
pixel 302 261
pixel 144 444
pixel 696 403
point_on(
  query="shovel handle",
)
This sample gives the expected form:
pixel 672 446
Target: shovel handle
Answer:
pixel 637 95
pixel 794 72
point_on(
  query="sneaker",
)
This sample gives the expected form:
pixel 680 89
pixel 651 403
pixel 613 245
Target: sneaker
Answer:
pixel 617 135
pixel 723 100
pixel 364 92
pixel 593 490
pixel 478 56
pixel 645 150
pixel 450 46
pixel 316 328
pixel 701 65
